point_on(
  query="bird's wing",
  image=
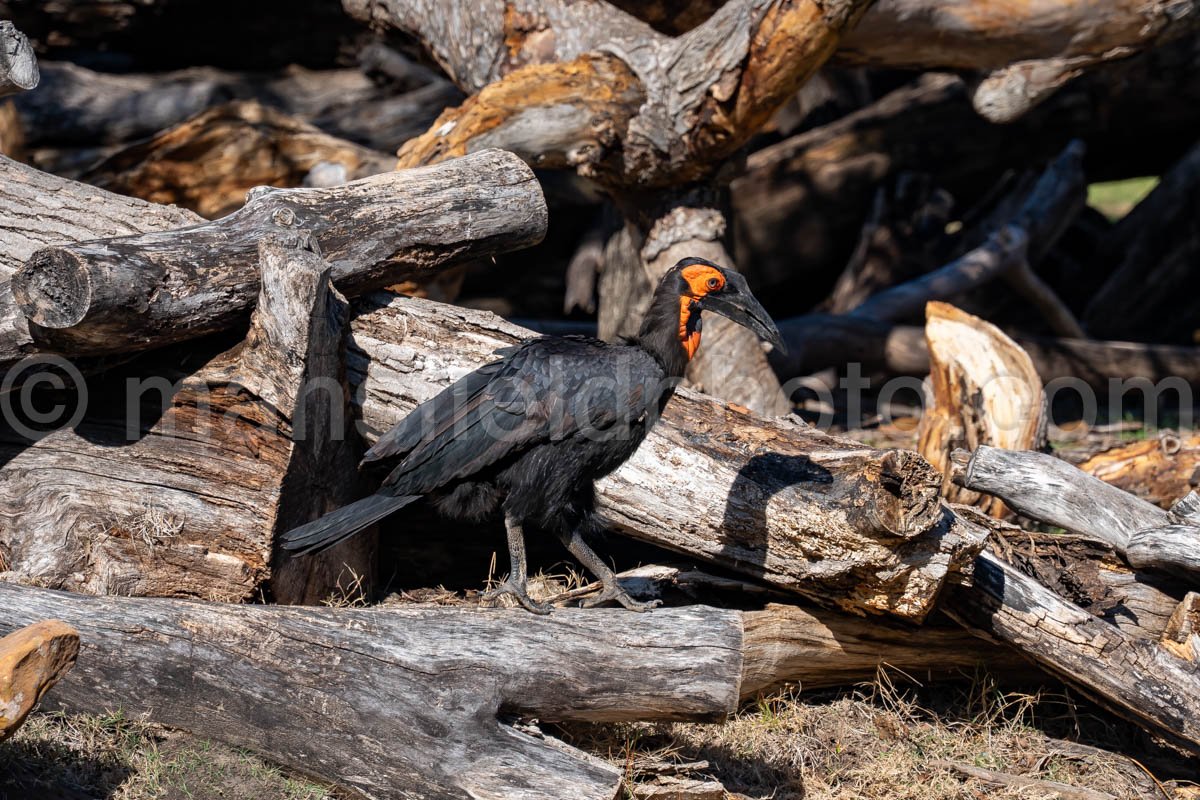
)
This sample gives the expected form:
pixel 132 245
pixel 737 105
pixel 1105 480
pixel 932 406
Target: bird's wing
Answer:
pixel 546 389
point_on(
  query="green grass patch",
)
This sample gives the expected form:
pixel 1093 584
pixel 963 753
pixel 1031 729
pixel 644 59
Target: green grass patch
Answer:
pixel 1115 199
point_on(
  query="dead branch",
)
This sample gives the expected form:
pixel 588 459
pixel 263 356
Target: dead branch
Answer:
pixel 1051 490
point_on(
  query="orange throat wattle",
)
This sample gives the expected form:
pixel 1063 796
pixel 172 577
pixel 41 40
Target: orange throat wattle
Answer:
pixel 690 339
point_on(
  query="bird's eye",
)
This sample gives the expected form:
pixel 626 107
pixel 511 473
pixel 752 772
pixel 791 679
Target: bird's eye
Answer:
pixel 714 283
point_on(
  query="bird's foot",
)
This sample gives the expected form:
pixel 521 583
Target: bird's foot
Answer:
pixel 518 593
pixel 612 591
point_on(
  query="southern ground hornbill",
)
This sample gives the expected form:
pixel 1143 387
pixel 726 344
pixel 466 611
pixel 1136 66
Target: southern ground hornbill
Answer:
pixel 530 433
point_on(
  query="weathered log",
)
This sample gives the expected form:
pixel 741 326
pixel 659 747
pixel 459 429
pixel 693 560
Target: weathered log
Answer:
pixel 1031 49
pixel 1051 490
pixel 78 106
pixel 844 524
pixel 209 162
pixel 32 659
pixel 397 703
pixel 135 292
pixel 985 390
pixel 42 209
pixel 1160 470
pixel 1137 679
pixel 18 64
pixel 175 483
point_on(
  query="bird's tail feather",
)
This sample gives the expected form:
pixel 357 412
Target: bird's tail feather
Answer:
pixel 343 523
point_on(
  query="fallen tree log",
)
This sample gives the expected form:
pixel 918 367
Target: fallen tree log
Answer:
pixel 136 292
pixel 209 162
pixel 1052 491
pixel 18 65
pixel 1137 679
pixel 176 482
pixel 304 686
pixel 32 659
pixel 840 523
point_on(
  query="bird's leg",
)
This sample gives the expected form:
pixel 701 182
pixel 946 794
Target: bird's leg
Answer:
pixel 612 590
pixel 516 584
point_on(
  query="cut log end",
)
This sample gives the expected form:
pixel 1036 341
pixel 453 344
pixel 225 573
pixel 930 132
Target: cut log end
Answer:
pixel 915 484
pixel 54 288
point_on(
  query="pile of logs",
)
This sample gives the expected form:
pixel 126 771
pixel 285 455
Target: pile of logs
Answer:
pixel 225 287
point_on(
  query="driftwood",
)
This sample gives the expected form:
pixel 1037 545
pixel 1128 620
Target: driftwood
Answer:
pixel 175 483
pixel 18 64
pixel 1135 678
pixel 838 522
pixel 397 703
pixel 1052 491
pixel 32 660
pixel 1160 470
pixel 135 292
pixel 985 390
pixel 209 162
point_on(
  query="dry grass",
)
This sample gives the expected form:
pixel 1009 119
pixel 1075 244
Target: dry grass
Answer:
pixel 882 742
pixel 73 757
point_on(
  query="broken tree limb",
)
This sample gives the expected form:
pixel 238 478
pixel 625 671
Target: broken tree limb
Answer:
pixel 985 390
pixel 1054 492
pixel 18 64
pixel 176 482
pixel 841 523
pixel 1137 679
pixel 208 163
pixel 396 703
pixel 138 292
pixel 32 659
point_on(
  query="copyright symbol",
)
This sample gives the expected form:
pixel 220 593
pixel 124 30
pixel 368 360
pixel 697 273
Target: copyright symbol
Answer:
pixel 42 394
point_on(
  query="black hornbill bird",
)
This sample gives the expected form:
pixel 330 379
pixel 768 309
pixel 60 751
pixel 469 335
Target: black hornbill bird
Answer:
pixel 530 433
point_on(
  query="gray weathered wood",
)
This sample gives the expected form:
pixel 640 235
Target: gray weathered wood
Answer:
pixel 41 210
pixel 1136 678
pixel 175 484
pixel 18 64
pixel 841 523
pixel 1051 490
pixel 129 293
pixel 397 703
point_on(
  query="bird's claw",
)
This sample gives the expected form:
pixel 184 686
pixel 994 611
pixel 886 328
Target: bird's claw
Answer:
pixel 518 593
pixel 614 592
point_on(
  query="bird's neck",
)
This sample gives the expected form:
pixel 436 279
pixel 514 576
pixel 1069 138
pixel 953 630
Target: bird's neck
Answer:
pixel 670 331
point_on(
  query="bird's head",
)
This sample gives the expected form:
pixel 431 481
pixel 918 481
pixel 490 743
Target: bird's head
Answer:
pixel 704 286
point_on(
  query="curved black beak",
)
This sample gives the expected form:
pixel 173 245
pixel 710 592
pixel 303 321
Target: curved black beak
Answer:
pixel 739 304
